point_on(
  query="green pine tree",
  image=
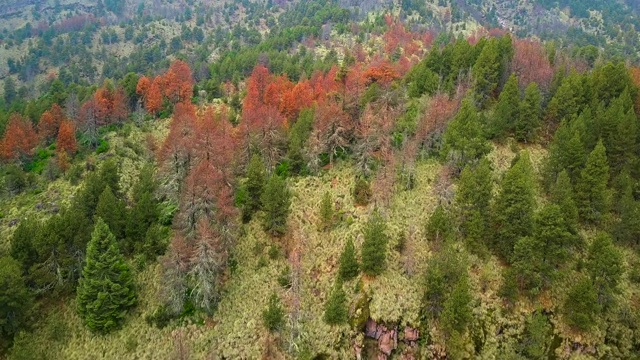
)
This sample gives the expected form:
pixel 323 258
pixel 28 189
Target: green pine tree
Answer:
pixel 627 230
pixel 298 137
pixel 374 248
pixel 605 267
pixel 256 179
pixel 15 300
pixel 106 291
pixel 592 196
pixel 276 201
pixel 326 211
pixel 581 307
pixel 22 246
pixel 273 315
pixel 514 206
pixel 624 149
pixel 463 140
pixel 473 199
pixel 529 122
pixel 537 337
pixel 349 267
pixel 507 111
pixel 112 211
pixel 335 309
pixel 562 195
pixel 486 73
pixel 439 227
pixel 456 313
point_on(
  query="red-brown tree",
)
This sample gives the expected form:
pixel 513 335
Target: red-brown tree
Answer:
pixel 531 63
pixel 178 82
pixel 19 139
pixel 50 122
pixel 153 98
pixel 66 141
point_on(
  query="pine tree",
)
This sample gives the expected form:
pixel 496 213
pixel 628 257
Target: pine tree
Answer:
pixel 22 246
pixel 507 111
pixel 528 123
pixel 273 315
pixel 625 143
pixel 439 227
pixel 562 195
pixel 486 73
pixel 627 230
pixel 144 212
pixel 605 267
pixel 112 211
pixel 513 213
pixel 326 212
pixel 374 248
pixel 473 199
pixel 456 313
pixel 581 307
pixel 298 137
pixel 349 267
pixel 15 300
pixel 444 270
pixel 536 340
pixel 106 290
pixel 276 201
pixel 256 178
pixel 463 140
pixel 591 188
pixel 335 309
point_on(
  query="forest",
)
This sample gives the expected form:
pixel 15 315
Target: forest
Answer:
pixel 318 183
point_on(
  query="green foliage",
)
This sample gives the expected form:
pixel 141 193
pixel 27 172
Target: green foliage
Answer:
pixel 105 292
pixel 439 227
pixel 514 206
pixel 256 178
pixel 536 340
pixel 486 73
pixel 562 195
pixel 273 315
pixel 528 123
pixel 456 313
pixel 362 192
pixel 444 271
pixel 112 212
pixel 507 111
pixel 605 267
pixel 374 247
pixel 349 267
pixel 627 230
pixel 472 201
pixel 592 195
pixel 298 137
pixel 326 212
pixel 276 202
pixel 335 309
pixel 22 247
pixel 15 300
pixel 15 180
pixel 581 307
pixel 422 80
pixel 463 140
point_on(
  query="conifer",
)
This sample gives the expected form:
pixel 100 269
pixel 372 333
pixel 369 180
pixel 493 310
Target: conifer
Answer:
pixel 581 307
pixel 276 201
pixel 335 309
pixel 591 188
pixel 507 111
pixel 349 267
pixel 256 178
pixel 106 290
pixel 473 198
pixel 374 248
pixel 605 267
pixel 528 123
pixel 112 211
pixel 463 140
pixel 326 212
pixel 273 315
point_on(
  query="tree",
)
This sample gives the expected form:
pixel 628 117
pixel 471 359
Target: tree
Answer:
pixel 153 96
pixel 326 212
pixel 112 211
pixel 486 73
pixel 105 292
pixel 456 314
pixel 349 267
pixel 9 90
pixel 531 63
pixel 273 315
pixel 463 140
pixel 472 201
pixel 507 111
pixel 536 339
pixel 627 231
pixel 19 139
pixel 562 195
pixel 256 178
pixel 374 247
pixel 528 123
pixel 605 268
pixel 66 141
pixel 208 263
pixel 335 309
pixel 276 202
pixel 444 271
pixel 581 307
pixel 298 138
pixel 22 246
pixel 514 206
pixel 591 189
pixel 439 227
pixel 15 300
pixel 50 122
pixel 143 213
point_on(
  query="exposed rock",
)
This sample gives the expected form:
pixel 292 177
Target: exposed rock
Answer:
pixel 411 334
pixel 14 222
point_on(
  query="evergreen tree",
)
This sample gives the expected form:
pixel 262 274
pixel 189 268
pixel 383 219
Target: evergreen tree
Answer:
pixel 514 206
pixel 507 111
pixel 627 230
pixel 15 300
pixel 276 201
pixel 349 267
pixel 529 122
pixel 335 309
pixel 112 211
pixel 456 313
pixel 463 140
pixel 256 178
pixel 624 149
pixel 105 291
pixel 326 212
pixel 298 137
pixel 567 100
pixel 605 267
pixel 444 270
pixel 486 73
pixel 273 315
pixel 581 307
pixel 536 340
pixel 565 153
pixel 591 189
pixel 473 198
pixel 562 195
pixel 439 227
pixel 374 248
pixel 22 247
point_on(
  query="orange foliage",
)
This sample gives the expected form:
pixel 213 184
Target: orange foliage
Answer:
pixel 49 123
pixel 383 74
pixel 143 86
pixel 66 141
pixel 19 139
pixel 111 105
pixel 153 99
pixel 531 63
pixel 178 82
pixel 441 110
pixel 635 77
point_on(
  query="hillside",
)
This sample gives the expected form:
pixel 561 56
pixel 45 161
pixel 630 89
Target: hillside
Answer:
pixel 327 180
